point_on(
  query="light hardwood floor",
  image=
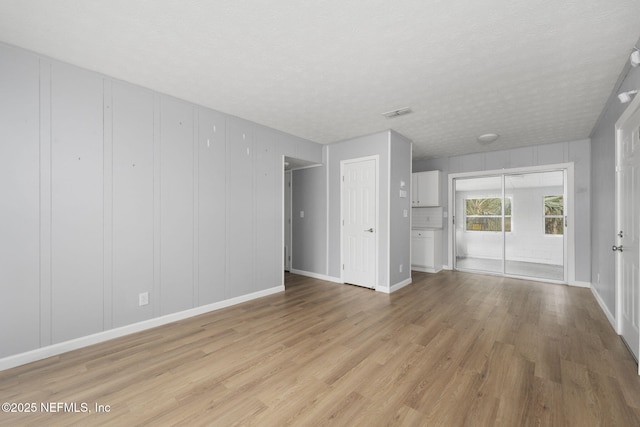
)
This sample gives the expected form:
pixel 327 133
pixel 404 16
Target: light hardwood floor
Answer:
pixel 451 349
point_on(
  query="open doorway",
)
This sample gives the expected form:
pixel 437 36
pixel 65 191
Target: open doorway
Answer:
pixel 290 165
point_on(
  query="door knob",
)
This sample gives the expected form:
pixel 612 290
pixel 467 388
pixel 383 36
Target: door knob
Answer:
pixel 369 230
pixel 616 248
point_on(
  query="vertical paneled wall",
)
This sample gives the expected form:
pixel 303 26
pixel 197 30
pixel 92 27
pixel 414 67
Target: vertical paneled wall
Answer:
pixel 19 202
pixel 211 236
pixel 109 190
pixel 176 206
pixel 239 208
pixel 132 212
pixel 76 202
pixel 266 208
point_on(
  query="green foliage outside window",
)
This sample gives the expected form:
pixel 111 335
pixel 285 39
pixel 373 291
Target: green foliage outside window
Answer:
pixel 553 215
pixel 486 214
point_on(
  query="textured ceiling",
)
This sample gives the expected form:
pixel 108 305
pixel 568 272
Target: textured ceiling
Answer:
pixel 532 71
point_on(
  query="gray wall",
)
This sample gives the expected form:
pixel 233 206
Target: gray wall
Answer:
pixel 19 210
pixel 109 190
pixel 603 200
pixel 578 152
pixel 130 116
pixel 399 225
pixel 76 203
pixel 309 234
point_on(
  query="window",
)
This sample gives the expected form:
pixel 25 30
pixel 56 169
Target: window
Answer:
pixel 553 215
pixel 486 214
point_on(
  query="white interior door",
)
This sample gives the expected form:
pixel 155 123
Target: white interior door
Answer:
pixel 627 225
pixel 359 221
pixel 287 220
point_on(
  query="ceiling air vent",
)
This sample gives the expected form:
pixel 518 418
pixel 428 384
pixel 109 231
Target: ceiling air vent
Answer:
pixel 396 113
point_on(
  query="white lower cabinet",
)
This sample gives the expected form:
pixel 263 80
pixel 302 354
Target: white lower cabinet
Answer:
pixel 426 250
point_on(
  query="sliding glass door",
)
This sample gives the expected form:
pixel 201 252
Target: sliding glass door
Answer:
pixel 535 245
pixel 479 224
pixel 512 224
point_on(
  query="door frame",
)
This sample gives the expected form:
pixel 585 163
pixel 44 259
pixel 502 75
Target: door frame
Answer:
pixel 569 242
pixel 298 164
pixel 376 158
pixel 633 107
pixel 289 226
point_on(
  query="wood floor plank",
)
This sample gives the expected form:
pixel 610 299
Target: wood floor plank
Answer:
pixel 462 387
pixel 450 349
pixel 546 408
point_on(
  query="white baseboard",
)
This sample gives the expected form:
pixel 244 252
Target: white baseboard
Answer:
pixel 395 287
pixel 316 275
pixel 383 289
pixel 580 284
pixel 605 309
pixel 425 269
pixel 447 267
pixel 74 344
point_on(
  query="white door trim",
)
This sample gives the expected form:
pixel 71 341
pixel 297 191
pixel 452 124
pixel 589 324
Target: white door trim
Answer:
pixel 569 206
pixel 282 217
pixel 377 215
pixel 288 225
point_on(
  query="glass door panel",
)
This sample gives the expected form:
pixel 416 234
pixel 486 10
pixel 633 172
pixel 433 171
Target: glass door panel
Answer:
pixel 534 241
pixel 479 224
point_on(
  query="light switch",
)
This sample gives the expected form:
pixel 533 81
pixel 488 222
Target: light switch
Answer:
pixel 403 194
pixel 301 214
pixel 405 213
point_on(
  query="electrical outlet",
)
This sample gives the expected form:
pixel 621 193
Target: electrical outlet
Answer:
pixel 143 299
pixel 401 266
pixel 598 278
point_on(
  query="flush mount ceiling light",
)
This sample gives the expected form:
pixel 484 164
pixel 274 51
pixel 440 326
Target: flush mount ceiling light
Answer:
pixel 634 59
pixel 396 113
pixel 625 97
pixel 488 138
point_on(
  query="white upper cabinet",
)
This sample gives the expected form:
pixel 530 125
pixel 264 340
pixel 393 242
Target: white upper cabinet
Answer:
pixel 425 188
